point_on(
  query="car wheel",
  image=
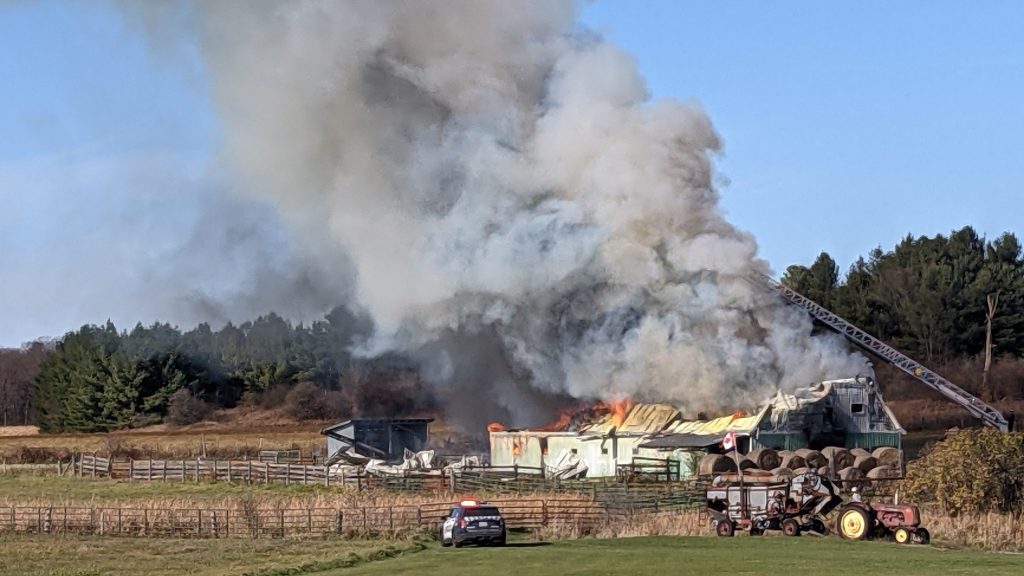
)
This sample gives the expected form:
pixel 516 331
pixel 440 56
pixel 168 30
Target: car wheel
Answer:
pixel 456 543
pixel 501 541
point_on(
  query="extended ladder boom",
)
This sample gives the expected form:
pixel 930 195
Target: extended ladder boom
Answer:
pixel 981 410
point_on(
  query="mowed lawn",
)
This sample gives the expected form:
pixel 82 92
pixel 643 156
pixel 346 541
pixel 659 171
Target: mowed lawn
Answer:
pixel 808 556
pixel 22 555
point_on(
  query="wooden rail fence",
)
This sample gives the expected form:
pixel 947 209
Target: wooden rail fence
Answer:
pixel 293 522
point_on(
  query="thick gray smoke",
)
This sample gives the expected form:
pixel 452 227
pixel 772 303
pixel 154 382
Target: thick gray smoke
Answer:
pixel 516 211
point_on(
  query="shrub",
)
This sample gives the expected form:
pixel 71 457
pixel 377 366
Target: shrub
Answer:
pixel 186 408
pixel 307 402
pixel 971 471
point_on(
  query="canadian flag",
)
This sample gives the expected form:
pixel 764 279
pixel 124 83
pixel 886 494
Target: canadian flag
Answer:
pixel 729 442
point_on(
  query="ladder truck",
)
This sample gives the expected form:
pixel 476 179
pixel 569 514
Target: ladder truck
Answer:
pixel 984 412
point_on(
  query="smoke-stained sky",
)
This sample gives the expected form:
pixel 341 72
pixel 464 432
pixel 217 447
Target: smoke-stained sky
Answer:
pixel 492 181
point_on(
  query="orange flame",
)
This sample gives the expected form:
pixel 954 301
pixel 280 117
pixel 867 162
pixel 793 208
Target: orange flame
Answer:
pixel 496 427
pixel 619 410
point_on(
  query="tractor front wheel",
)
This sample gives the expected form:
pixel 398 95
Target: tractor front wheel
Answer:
pixel 854 523
pixel 790 527
pixel 901 535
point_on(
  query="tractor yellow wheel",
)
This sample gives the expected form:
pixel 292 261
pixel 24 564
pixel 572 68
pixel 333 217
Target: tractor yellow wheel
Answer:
pixel 902 535
pixel 854 524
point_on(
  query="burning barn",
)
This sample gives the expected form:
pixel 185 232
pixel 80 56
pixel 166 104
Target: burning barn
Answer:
pixel 594 447
pixel 848 412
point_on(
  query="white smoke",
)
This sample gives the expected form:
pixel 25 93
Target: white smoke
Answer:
pixel 513 205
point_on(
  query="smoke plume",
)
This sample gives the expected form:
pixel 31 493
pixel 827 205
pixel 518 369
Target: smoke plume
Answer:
pixel 514 209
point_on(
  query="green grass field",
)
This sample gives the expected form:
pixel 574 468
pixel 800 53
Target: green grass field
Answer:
pixel 694 555
pixel 94 556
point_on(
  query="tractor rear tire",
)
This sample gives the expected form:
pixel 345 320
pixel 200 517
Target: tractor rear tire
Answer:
pixel 901 535
pixel 790 527
pixel 854 523
pixel 725 528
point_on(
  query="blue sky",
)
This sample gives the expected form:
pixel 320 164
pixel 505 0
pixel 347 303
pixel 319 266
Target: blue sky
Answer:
pixel 846 126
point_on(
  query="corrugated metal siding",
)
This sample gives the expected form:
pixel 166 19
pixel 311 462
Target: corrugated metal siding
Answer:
pixel 872 440
pixel 778 441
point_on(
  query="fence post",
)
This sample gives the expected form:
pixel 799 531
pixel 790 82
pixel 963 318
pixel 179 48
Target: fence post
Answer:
pixel 131 469
pixel 229 470
pixel 183 470
pixel 145 521
pixel 110 466
pixel 543 512
pixel 249 463
pixel 120 524
pixel 327 476
pixel 337 520
pixel 287 473
pixel 197 470
pixel 93 464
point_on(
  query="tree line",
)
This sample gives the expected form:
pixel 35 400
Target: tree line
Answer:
pixel 99 378
pixel 938 299
pixel 943 299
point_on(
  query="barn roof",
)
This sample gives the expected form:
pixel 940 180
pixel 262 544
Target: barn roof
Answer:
pixel 641 419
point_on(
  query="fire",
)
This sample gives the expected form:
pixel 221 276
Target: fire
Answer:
pixel 496 427
pixel 619 410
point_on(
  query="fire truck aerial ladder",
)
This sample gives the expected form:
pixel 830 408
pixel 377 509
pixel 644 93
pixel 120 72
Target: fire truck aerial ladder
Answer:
pixel 975 406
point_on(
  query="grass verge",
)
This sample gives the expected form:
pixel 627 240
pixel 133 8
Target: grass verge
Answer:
pixel 100 556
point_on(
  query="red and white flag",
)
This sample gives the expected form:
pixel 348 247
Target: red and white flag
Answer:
pixel 729 442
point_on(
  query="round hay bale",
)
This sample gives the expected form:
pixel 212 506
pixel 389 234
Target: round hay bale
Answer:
pixel 792 460
pixel 783 473
pixel 851 477
pixel 824 471
pixel 838 457
pixel 747 464
pixel 857 452
pixel 756 473
pixel 865 463
pixel 882 472
pixel 802 470
pixel 713 464
pixel 813 458
pixel 887 456
pixel 765 458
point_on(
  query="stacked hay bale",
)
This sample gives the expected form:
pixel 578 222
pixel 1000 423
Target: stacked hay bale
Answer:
pixel 853 467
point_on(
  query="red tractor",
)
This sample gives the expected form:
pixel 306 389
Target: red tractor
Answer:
pixel 859 520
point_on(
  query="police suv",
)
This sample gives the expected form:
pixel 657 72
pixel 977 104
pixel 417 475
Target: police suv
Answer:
pixel 472 521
